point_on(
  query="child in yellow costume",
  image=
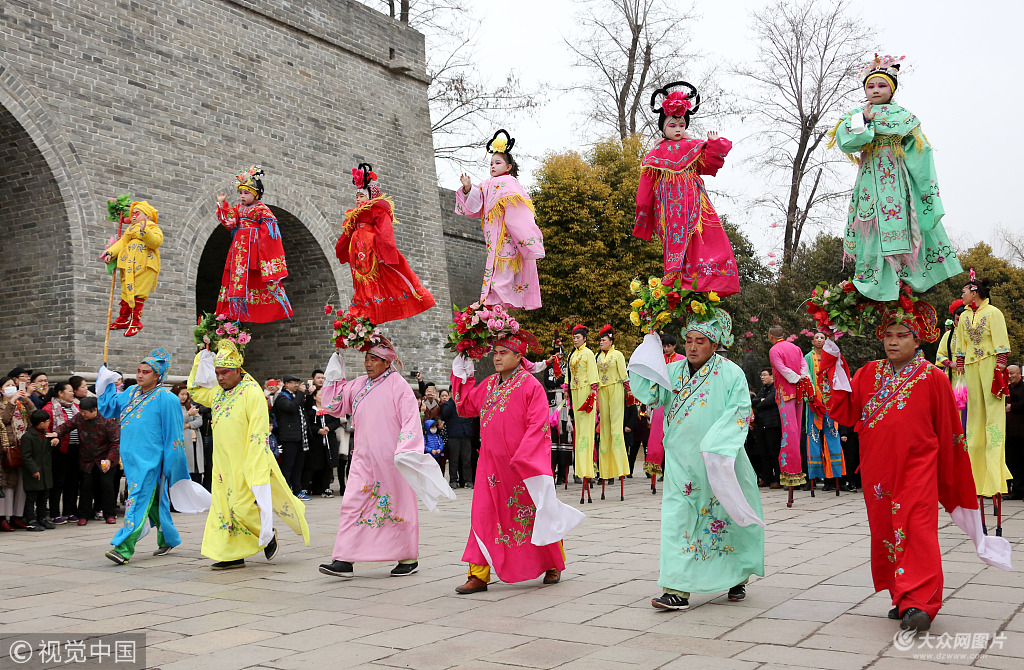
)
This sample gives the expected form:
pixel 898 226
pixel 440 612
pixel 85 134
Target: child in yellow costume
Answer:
pixel 611 400
pixel 138 259
pixel 248 487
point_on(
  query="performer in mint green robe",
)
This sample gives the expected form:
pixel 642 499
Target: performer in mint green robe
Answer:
pixel 894 229
pixel 712 535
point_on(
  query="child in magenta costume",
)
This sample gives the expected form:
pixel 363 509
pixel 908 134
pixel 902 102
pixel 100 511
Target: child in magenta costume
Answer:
pixel 671 200
pixel 790 370
pixel 386 288
pixel 250 289
pixel 514 242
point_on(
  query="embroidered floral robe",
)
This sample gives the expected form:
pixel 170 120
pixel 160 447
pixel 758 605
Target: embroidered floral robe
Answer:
pixel 894 229
pixel 379 517
pixel 242 460
pixel 384 286
pixel 672 203
pixel 980 339
pixel 788 366
pixel 138 259
pixel 514 242
pixel 824 448
pixel 515 444
pixel 152 453
pixel 702 549
pixel 250 289
pixel 913 457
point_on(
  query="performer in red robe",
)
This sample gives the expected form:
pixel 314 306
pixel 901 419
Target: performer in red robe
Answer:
pixel 386 288
pixel 671 200
pixel 250 289
pixel 913 455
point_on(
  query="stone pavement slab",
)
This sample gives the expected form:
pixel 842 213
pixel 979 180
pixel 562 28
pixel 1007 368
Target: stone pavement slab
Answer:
pixel 815 608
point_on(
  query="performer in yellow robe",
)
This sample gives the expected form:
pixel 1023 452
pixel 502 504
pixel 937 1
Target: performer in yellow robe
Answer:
pixel 138 260
pixel 248 486
pixel 611 400
pixel 583 386
pixel 982 349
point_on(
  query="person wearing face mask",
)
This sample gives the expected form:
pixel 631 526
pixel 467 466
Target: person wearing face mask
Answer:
pixel 433 444
pixel 250 289
pixel 894 231
pixel 15 412
pixel 672 202
pixel 514 242
pixel 385 287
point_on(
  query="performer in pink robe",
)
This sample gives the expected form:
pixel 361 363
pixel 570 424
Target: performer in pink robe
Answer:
pixel 671 200
pixel 517 522
pixel 514 242
pixel 379 519
pixel 790 368
pixel 654 463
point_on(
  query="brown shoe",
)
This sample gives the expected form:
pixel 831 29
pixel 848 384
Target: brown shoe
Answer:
pixel 472 585
pixel 552 576
pixel 775 485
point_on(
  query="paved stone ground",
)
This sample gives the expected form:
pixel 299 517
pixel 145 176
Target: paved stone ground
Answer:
pixel 814 608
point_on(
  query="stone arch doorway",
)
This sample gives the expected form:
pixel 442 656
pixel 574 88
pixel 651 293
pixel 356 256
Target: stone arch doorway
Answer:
pixel 294 347
pixel 36 260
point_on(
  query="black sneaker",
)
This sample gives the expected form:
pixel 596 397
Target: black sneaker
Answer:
pixel 228 565
pixel 116 557
pixel 670 601
pixel 403 569
pixel 894 613
pixel 34 528
pixel 737 593
pixel 47 524
pixel 915 619
pixel 271 549
pixel 337 569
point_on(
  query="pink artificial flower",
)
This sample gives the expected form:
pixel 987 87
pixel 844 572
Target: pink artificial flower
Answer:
pixel 491 324
pixel 230 329
pixel 243 338
pixel 676 104
pixel 499 324
pixel 839 333
pixel 514 325
pixel 220 331
pixel 753 319
pixel 231 339
pixel 111 199
pixel 222 317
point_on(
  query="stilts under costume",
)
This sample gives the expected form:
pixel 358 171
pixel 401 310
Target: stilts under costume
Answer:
pixel 514 242
pixel 153 456
pixel 386 288
pixel 672 202
pixel 894 232
pixel 250 289
pixel 138 261
pixel 247 484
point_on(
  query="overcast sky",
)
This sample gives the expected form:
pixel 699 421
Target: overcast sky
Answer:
pixel 965 63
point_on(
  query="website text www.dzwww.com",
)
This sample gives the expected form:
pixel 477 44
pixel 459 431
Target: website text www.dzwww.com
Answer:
pixel 948 657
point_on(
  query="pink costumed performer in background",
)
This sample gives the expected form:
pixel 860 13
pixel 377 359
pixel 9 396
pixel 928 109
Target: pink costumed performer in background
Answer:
pixel 514 242
pixel 791 370
pixel 671 200
pixel 655 460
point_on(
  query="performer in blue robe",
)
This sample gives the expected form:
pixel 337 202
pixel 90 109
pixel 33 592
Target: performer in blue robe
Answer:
pixel 153 455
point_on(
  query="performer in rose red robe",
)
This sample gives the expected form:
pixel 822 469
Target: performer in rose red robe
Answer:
pixel 517 523
pixel 379 519
pixel 514 242
pixel 250 289
pixel 671 200
pixel 790 368
pixel 386 288
pixel 913 455
pixel 654 463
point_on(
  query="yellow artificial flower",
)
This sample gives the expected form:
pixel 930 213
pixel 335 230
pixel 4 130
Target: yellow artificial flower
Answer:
pixel 499 145
pixel 713 297
pixel 658 292
pixel 637 304
pixel 664 317
pixel 654 282
pixel 634 286
pixel 698 308
pixel 634 318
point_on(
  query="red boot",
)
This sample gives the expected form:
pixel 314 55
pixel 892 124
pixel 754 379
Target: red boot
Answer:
pixel 136 318
pixel 124 319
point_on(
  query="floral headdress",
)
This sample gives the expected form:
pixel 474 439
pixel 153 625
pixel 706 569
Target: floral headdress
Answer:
pixel 364 177
pixel 840 308
pixel 675 103
pixel 356 332
pixel 475 329
pixel 499 144
pixel 920 319
pixel 663 299
pixel 250 180
pixel 887 67
pixel 212 328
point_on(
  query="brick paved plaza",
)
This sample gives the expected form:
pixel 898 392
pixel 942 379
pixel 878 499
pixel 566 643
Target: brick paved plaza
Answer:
pixel 814 609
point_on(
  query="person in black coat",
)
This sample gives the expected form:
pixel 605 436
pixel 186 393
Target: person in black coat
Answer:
pixel 37 471
pixel 460 446
pixel 322 457
pixel 292 433
pixel 768 429
pixel 1015 432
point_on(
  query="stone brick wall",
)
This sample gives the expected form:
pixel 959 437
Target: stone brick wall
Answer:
pixel 465 249
pixel 169 101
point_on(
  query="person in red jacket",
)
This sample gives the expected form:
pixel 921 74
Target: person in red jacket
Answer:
pixel 386 288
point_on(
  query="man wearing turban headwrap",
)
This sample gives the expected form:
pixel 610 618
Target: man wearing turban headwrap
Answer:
pixel 247 484
pixel 379 520
pixel 138 259
pixel 712 535
pixel 153 455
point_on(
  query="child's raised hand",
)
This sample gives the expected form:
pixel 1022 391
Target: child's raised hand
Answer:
pixel 712 135
pixel 467 183
pixel 222 198
pixel 869 113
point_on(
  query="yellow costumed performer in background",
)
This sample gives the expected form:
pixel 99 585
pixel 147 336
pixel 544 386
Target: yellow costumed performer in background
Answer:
pixel 248 486
pixel 138 260
pixel 583 387
pixel 611 400
pixel 982 350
